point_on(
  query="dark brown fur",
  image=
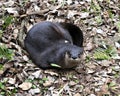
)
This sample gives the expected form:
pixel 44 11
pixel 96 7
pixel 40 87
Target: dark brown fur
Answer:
pixel 58 43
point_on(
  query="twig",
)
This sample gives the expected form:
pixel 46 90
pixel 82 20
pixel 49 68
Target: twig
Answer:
pixel 62 89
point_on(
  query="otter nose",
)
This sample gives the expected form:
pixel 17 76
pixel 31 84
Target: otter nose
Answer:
pixel 74 57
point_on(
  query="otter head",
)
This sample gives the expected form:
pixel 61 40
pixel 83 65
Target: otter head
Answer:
pixel 73 57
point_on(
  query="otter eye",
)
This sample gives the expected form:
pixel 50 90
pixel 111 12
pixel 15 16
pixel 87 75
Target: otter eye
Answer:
pixel 79 55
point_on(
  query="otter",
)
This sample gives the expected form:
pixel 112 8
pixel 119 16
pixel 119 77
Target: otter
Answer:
pixel 54 43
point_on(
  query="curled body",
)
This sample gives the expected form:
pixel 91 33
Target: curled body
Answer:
pixel 57 43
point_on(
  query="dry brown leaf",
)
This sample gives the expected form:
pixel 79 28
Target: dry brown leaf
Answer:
pixel 72 83
pixel 77 94
pixel 51 73
pixel 25 85
pixel 12 81
pixel 36 74
pixel 1 72
pixel 34 91
pixel 25 58
pixel 47 83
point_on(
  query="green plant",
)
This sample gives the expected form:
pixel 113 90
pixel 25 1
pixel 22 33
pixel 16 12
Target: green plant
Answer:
pixel 32 81
pixel 112 85
pixel 6 53
pixel 53 1
pixel 2 93
pixel 2 89
pixel 7 21
pixel 1 32
pixel 43 80
pixel 2 86
pixel 55 65
pixel 95 6
pixel 1 67
pixel 111 51
pixel 87 58
pixel 118 26
pixel 102 54
pixel 76 81
pixel 29 80
pixel 34 86
pixel 108 1
pixel 98 19
pixel 13 91
pixel 111 15
pixel 69 76
pixel 10 92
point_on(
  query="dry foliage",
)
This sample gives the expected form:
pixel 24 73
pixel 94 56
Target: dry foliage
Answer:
pixel 99 74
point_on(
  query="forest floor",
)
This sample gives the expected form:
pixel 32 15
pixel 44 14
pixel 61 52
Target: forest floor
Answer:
pixel 99 72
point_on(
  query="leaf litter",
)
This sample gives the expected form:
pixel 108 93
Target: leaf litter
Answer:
pixel 100 22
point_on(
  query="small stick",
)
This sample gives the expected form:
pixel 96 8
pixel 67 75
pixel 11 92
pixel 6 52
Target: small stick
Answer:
pixel 62 89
